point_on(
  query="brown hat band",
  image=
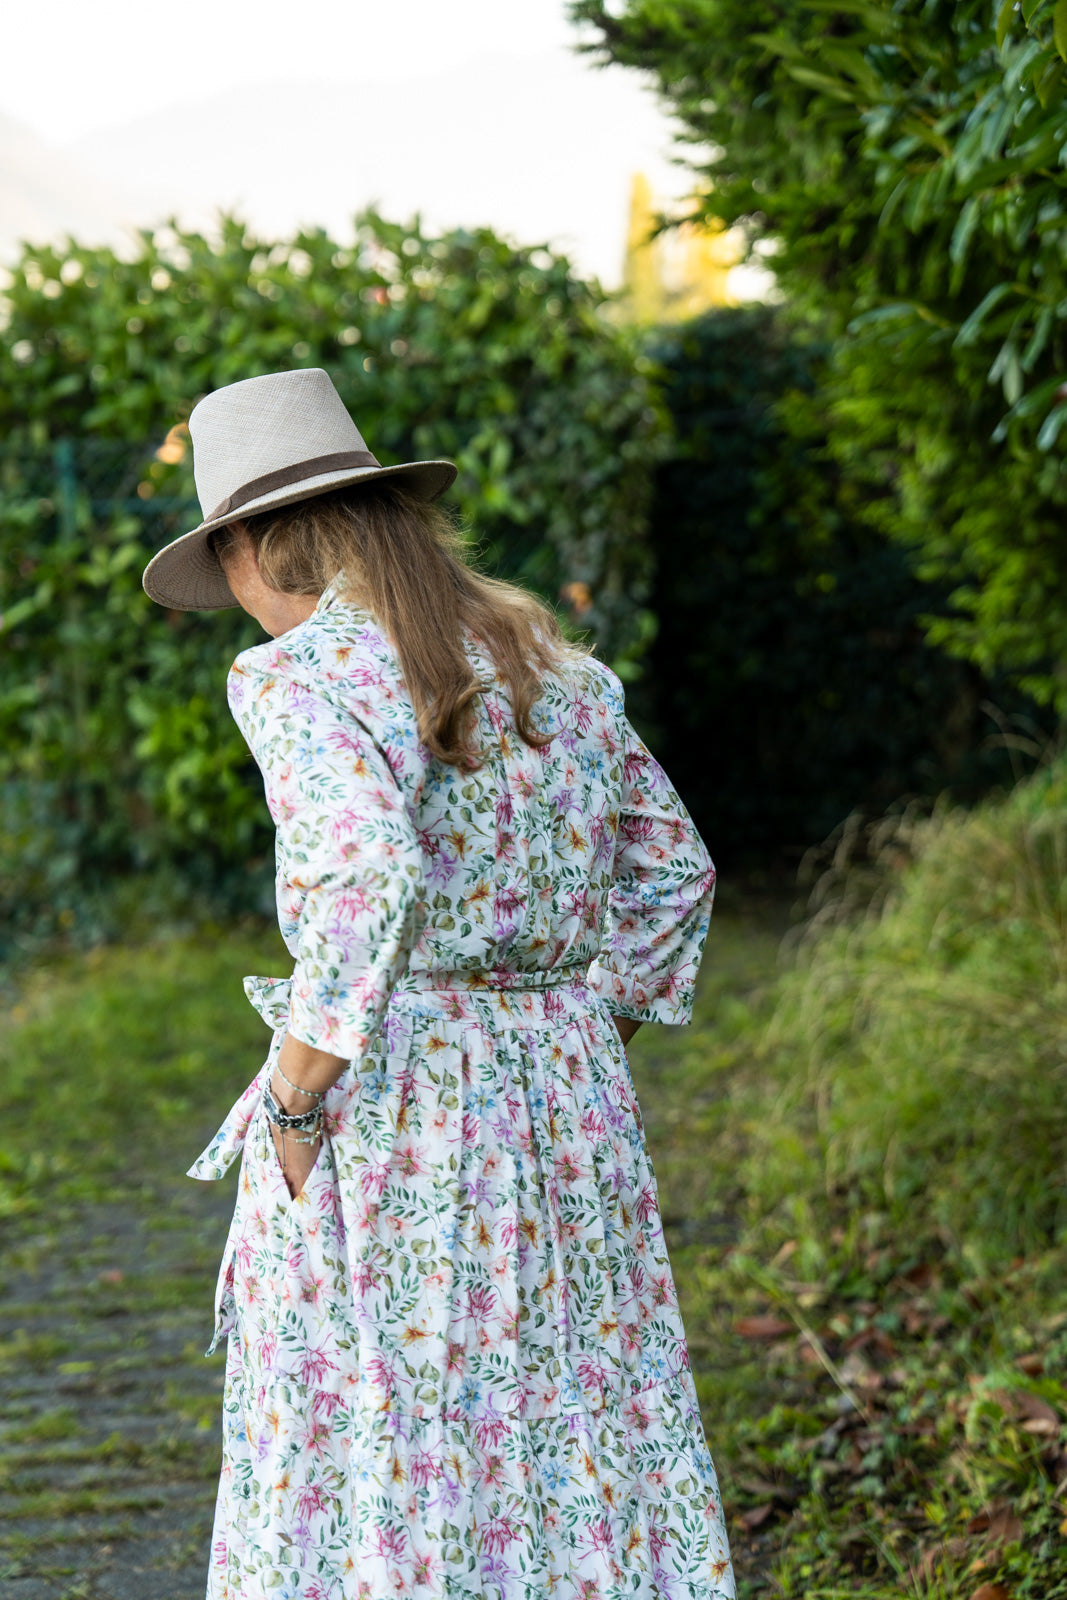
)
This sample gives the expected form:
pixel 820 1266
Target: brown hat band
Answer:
pixel 339 462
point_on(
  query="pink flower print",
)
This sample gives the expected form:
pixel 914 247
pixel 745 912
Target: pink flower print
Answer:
pixel 312 1498
pixel 314 1365
pixel 373 1178
pixel 567 1168
pixel 324 1404
pixel 497 1534
pixel 318 1438
pixel 251 1290
pixel 424 1568
pixel 311 1289
pixel 592 1124
pixel 592 1372
pixel 349 905
pixel 664 1291
pixel 480 1301
pixel 493 1472
pixel 599 1534
pixel 581 713
pixel 658 1537
pixel 390 1542
pixel 646 1202
pixel 491 1429
pixel 409 1159
pixel 381 1371
pixel 631 1338
pixel 637 1415
pixel 423 1469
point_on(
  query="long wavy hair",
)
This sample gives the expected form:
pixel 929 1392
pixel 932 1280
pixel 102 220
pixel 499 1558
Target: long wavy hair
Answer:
pixel 405 562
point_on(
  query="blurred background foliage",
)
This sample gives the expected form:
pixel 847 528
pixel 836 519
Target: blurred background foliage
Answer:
pixel 904 161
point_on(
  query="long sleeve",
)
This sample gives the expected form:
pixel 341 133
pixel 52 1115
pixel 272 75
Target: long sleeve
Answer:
pixel 659 904
pixel 349 866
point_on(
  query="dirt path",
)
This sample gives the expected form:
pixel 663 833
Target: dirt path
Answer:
pixel 109 1413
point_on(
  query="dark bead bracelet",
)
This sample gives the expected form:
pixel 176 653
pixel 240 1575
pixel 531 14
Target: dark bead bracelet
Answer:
pixel 302 1121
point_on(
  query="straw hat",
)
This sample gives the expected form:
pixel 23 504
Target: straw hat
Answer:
pixel 262 443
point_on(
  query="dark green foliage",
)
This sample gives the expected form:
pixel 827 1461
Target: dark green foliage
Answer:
pixel 908 158
pixel 116 747
pixel 791 678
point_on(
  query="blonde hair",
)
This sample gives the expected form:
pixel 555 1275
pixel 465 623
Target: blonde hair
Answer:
pixel 404 561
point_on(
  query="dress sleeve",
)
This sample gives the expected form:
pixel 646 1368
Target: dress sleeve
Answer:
pixel 350 879
pixel 659 903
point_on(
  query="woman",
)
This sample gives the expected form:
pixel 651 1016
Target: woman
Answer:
pixel 456 1364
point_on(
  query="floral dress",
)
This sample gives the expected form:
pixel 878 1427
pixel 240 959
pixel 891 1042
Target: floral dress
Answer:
pixel 456 1365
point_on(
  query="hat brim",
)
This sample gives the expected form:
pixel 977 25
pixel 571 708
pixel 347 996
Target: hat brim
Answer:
pixel 186 575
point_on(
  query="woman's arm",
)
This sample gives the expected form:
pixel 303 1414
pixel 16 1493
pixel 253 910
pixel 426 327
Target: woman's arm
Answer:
pixel 351 879
pixel 626 1027
pixel 659 902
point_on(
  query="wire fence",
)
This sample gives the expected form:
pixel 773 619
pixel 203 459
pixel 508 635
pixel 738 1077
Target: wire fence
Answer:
pixel 74 483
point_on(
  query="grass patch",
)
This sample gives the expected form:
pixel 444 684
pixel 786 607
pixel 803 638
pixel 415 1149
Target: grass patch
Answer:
pixel 123 1058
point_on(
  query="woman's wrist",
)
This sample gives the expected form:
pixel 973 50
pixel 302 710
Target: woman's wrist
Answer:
pixel 303 1074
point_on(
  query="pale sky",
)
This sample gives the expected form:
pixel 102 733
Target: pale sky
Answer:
pixel 69 67
pixel 217 103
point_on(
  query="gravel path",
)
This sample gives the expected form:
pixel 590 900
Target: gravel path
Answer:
pixel 109 1413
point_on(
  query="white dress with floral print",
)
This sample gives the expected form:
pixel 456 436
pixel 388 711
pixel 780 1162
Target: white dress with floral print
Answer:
pixel 456 1365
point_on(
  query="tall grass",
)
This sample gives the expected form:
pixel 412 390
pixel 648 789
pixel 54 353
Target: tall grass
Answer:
pixel 918 1053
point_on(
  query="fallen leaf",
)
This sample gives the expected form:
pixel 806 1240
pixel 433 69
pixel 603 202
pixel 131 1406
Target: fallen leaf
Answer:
pixel 1033 1364
pixel 991 1591
pixel 1004 1527
pixel 756 1516
pixel 767 1326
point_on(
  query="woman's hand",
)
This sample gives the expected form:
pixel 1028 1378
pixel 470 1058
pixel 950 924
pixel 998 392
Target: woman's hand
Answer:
pixel 296 1160
pixel 625 1027
pixel 314 1070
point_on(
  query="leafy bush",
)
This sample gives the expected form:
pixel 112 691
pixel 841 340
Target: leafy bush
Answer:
pixel 906 158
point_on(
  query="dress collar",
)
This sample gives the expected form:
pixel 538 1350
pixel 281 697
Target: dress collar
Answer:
pixel 330 596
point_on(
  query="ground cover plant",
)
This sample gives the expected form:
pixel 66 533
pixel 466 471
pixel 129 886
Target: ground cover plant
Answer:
pixel 859 1155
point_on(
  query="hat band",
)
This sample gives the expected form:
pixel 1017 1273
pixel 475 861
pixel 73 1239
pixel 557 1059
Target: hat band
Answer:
pixel 289 475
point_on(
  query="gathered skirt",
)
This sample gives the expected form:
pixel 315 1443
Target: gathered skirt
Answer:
pixel 456 1364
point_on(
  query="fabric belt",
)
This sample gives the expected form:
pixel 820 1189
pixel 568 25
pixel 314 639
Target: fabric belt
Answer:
pixel 270 996
pixel 484 978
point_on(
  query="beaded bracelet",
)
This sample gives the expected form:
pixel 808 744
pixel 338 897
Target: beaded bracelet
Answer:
pixel 303 1121
pixel 312 1094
